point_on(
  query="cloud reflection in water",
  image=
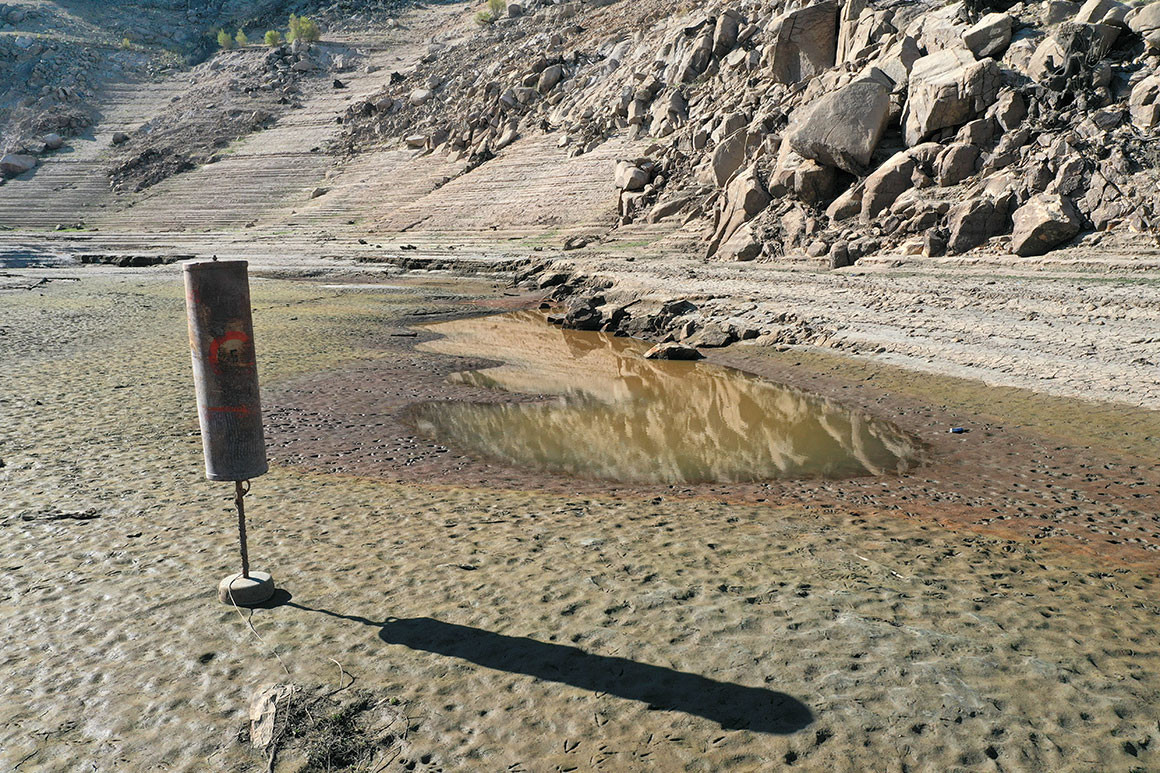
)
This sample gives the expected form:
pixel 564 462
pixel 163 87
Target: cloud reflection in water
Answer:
pixel 617 416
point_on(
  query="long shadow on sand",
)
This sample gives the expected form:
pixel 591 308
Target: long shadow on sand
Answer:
pixel 733 706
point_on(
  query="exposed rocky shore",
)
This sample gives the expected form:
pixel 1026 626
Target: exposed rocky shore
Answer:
pixel 829 130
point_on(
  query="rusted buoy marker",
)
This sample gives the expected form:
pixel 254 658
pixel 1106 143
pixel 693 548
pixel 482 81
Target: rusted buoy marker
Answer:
pixel 225 374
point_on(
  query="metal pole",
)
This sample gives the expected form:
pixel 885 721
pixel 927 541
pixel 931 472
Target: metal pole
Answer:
pixel 239 494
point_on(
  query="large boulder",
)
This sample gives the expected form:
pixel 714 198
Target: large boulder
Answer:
pixel 866 36
pixel 550 78
pixel 848 15
pixel 886 184
pixel 637 112
pixel 728 124
pixel 745 197
pixel 741 246
pixel 956 163
pixel 1145 22
pixel 1009 110
pixel 728 156
pixel 630 177
pixel 898 60
pixel 1144 104
pixel 814 183
pixel 802 43
pixel 669 207
pixel 976 220
pixel 696 60
pixel 1101 12
pixel 13 164
pixel 1056 11
pixel 947 89
pixel 1043 223
pixel 992 34
pixel 725 33
pixel 846 205
pixel 843 128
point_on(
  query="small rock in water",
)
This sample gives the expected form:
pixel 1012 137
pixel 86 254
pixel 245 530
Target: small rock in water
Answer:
pixel 672 351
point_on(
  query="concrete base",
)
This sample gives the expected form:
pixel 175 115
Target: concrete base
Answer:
pixel 250 591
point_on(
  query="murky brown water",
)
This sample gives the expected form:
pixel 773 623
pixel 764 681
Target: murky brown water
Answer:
pixel 611 414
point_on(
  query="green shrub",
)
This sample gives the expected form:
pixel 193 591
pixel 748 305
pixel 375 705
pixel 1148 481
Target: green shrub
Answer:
pixel 498 7
pixel 304 29
pixel 310 32
pixel 484 17
pixel 273 38
pixel 224 40
pixel 241 38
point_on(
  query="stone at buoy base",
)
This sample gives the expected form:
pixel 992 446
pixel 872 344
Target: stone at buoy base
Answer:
pixel 250 591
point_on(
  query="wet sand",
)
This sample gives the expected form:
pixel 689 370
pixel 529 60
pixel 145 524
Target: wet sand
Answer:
pixel 972 615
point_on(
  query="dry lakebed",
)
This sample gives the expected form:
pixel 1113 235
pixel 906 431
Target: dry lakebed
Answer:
pixel 990 605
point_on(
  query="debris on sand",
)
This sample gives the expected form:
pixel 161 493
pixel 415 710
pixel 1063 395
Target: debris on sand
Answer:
pixel 323 730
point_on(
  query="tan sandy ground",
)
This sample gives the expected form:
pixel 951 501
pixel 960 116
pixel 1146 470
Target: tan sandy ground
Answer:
pixel 910 646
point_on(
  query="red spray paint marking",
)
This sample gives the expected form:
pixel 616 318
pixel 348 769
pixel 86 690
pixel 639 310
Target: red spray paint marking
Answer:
pixel 215 345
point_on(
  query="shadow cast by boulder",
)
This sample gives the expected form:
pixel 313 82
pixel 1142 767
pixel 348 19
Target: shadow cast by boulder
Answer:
pixel 734 707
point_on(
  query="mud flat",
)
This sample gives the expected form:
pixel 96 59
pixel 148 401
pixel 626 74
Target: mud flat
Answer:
pixel 994 608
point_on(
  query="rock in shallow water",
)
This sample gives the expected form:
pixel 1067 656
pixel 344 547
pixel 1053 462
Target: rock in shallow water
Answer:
pixel 672 351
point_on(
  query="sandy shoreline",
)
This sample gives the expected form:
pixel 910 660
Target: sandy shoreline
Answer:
pixel 493 611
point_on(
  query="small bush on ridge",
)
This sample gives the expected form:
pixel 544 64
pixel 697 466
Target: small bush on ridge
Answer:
pixel 304 29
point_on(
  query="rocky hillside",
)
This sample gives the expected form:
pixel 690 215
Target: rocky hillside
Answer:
pixel 826 130
pixel 56 58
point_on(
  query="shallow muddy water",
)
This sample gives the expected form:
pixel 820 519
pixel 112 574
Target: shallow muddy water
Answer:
pixel 611 414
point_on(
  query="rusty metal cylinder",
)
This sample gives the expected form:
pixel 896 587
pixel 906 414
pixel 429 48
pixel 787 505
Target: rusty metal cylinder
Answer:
pixel 221 336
